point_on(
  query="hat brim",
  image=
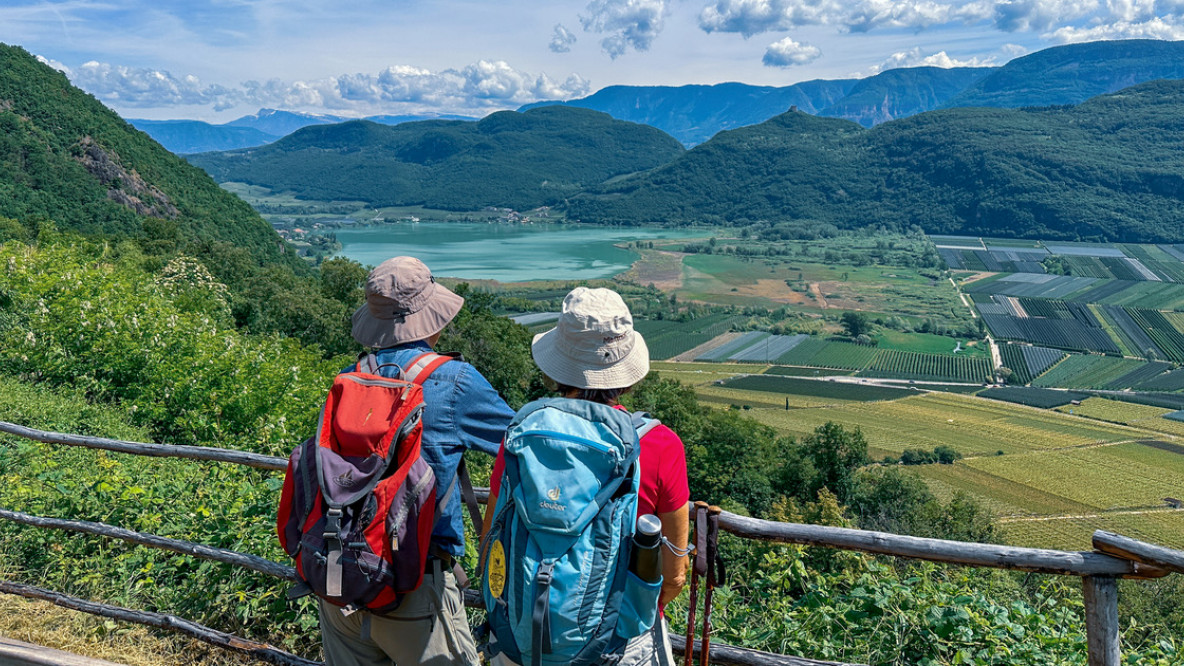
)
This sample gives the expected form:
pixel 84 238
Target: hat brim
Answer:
pixel 630 369
pixel 441 308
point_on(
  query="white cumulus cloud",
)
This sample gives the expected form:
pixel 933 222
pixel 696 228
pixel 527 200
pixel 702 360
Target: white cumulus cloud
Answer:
pixel 752 17
pixel 474 89
pixel 1156 28
pixel 626 23
pixel 788 53
pixel 1062 20
pixel 55 64
pixel 562 39
pixel 917 58
pixel 141 87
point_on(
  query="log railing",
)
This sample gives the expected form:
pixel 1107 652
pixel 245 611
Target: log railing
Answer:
pixel 1114 557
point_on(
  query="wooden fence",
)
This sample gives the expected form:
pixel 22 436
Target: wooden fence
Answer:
pixel 1114 557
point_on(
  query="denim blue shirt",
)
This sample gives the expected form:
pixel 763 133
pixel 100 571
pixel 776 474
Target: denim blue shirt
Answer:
pixel 461 411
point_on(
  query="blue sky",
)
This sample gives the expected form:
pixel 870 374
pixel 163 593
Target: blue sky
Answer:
pixel 220 59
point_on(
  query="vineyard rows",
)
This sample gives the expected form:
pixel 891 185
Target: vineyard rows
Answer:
pixel 1087 371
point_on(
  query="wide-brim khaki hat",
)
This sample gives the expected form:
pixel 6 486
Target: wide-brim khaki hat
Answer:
pixel 404 303
pixel 593 345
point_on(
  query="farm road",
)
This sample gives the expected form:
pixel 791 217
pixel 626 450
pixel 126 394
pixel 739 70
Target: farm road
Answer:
pixel 1102 514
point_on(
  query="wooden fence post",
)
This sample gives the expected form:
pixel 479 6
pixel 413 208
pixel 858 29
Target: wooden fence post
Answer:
pixel 1101 620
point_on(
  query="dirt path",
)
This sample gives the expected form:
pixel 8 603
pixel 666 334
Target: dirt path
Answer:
pixel 1121 512
pixel 814 289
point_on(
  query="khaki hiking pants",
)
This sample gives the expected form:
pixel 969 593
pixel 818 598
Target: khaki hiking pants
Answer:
pixel 430 627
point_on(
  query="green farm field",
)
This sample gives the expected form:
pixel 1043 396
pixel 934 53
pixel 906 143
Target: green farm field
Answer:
pixel 1058 498
pixel 928 343
pixel 1159 526
pixel 972 426
pixel 1127 413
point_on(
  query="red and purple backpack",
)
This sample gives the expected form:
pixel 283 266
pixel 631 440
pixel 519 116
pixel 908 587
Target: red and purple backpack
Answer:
pixel 359 502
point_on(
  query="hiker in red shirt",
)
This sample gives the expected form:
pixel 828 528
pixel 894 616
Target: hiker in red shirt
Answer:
pixel 594 354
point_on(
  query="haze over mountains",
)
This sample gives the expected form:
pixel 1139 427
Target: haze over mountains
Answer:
pixel 694 113
pixel 267 125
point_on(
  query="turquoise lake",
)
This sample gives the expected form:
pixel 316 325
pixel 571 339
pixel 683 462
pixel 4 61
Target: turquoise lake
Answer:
pixel 504 252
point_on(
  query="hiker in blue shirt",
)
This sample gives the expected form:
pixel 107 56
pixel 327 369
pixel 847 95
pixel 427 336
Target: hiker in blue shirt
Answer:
pixel 404 313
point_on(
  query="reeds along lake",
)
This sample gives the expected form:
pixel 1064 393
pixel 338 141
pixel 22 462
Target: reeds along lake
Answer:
pixel 504 252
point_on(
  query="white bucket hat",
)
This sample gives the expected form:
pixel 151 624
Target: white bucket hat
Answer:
pixel 593 345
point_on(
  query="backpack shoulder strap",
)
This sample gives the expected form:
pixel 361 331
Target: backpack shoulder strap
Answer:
pixel 643 423
pixel 368 363
pixel 423 366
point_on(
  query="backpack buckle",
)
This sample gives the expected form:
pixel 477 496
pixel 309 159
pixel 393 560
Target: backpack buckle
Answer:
pixel 332 525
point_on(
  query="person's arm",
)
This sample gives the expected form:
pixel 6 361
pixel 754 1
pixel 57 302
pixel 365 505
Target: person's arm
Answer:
pixel 676 529
pixel 481 415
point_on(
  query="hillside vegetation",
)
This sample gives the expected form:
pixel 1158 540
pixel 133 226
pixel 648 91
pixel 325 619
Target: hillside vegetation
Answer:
pixel 1107 169
pixel 66 157
pixel 69 164
pixel 509 159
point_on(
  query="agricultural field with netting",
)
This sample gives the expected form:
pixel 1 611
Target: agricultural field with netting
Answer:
pixel 730 347
pixel 769 348
pixel 845 355
pixel 1087 371
pixel 1026 362
pixel 798 371
pixel 666 338
pixel 817 388
pixel 1168 381
pixel 1167 339
pixel 1032 397
pixel 892 363
pixel 803 352
pixel 722 396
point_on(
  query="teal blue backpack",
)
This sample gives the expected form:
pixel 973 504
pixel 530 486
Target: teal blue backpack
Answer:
pixel 555 576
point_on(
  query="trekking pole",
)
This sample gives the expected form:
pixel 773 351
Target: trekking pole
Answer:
pixel 712 557
pixel 698 568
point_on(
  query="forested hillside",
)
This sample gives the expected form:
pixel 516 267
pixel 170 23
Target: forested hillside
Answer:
pixel 65 156
pixel 69 163
pixel 1108 169
pixel 509 159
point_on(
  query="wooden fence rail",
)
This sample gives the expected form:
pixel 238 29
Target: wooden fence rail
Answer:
pixel 1121 557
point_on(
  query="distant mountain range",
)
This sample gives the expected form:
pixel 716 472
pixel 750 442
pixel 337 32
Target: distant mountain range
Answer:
pixel 508 159
pixel 1060 75
pixel 195 136
pixel 695 113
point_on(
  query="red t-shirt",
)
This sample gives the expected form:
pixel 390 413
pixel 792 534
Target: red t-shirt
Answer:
pixel 663 472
